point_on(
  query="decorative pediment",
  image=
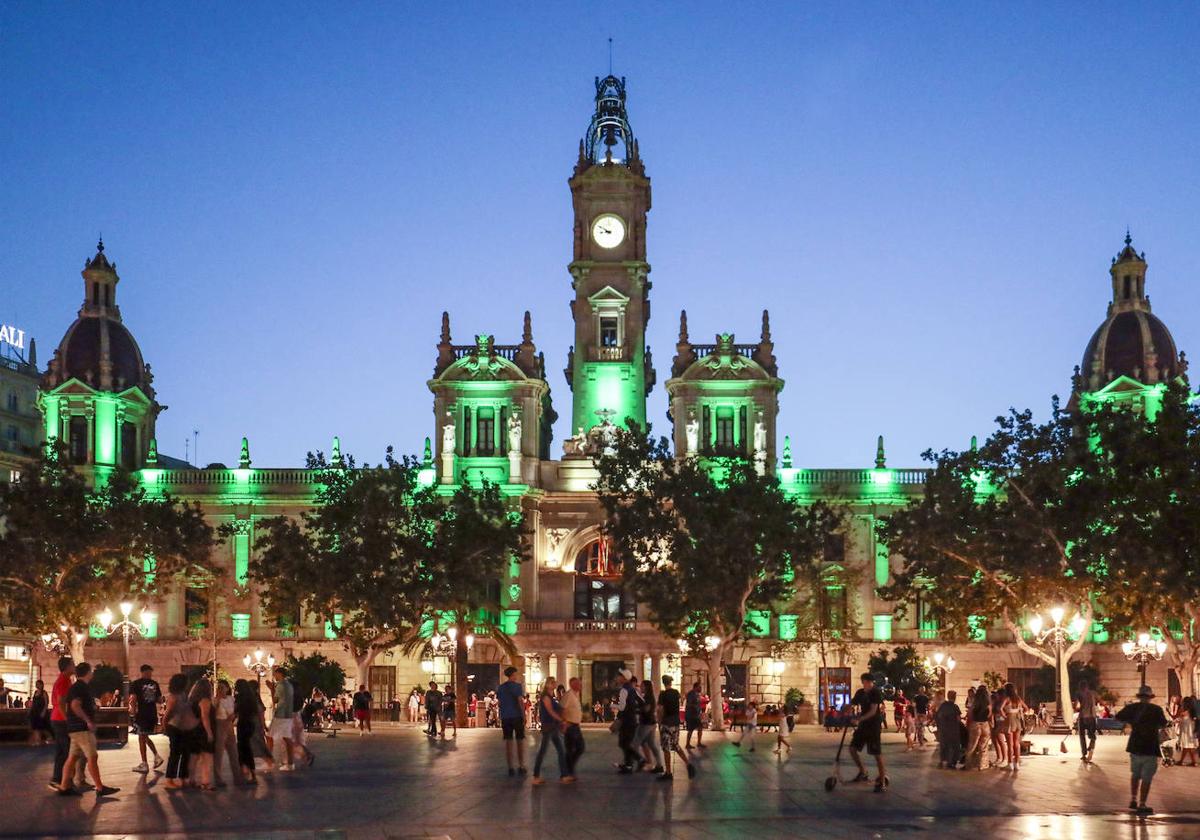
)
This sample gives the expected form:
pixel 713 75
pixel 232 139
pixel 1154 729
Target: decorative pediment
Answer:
pixel 608 297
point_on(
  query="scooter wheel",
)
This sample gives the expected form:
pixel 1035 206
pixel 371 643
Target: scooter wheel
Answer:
pixel 831 783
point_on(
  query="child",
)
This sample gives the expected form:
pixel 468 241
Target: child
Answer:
pixel 789 721
pixel 751 726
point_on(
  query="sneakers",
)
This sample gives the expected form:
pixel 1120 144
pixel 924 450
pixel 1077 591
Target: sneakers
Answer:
pixel 658 769
pixel 537 780
pixel 1132 805
pixel 158 761
pixel 1145 809
pixel 566 780
pixel 691 771
pixel 142 768
pixel 666 777
pixel 286 768
pixel 68 791
pixel 106 791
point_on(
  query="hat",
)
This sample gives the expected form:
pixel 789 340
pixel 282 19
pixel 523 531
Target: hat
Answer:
pixel 626 673
pixel 1145 691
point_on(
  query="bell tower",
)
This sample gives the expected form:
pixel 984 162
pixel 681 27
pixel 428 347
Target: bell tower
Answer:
pixel 609 367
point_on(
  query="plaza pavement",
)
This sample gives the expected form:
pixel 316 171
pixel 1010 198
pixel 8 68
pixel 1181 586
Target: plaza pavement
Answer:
pixel 397 784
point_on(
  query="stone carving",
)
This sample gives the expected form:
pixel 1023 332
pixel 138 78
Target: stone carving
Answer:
pixel 448 434
pixel 760 444
pixel 514 432
pixel 691 431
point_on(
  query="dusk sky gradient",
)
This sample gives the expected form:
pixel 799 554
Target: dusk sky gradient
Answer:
pixel 925 196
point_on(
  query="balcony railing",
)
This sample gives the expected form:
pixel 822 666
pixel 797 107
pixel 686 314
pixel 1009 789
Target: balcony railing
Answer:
pixel 504 351
pixel 609 354
pixel 579 625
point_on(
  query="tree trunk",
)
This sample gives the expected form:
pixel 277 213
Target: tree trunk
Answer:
pixel 77 642
pixel 1184 655
pixel 362 661
pixel 460 680
pixel 823 676
pixel 716 705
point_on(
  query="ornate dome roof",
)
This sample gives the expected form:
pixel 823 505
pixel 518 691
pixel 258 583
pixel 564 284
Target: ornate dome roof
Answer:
pixel 98 349
pixel 1132 341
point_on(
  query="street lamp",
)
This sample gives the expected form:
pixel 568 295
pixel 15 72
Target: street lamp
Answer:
pixel 941 664
pixel 1056 635
pixel 257 665
pixel 1142 651
pixel 126 628
pixel 447 646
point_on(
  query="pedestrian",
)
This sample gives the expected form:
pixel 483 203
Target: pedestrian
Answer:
pixel 947 716
pixel 362 709
pixel 921 713
pixel 1013 708
pixel 1185 724
pixel 692 717
pixel 999 730
pixel 750 727
pixel 39 716
pixel 247 712
pixel 433 709
pixel 786 727
pixel 81 728
pixel 225 742
pixel 204 741
pixel 646 741
pixel 300 725
pixel 1086 721
pixel 868 731
pixel 449 715
pixel 509 697
pixel 58 718
pixel 572 715
pixel 629 709
pixel 414 705
pixel 979 729
pixel 1144 719
pixel 179 722
pixel 668 730
pixel 899 704
pixel 282 712
pixel 144 696
pixel 550 719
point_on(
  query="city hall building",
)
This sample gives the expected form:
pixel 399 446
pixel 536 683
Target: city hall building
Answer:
pixel 492 418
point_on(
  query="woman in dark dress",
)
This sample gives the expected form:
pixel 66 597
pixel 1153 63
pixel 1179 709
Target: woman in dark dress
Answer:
pixel 39 716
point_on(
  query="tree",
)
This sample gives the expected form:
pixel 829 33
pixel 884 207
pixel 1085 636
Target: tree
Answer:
pixel 68 549
pixel 473 539
pixel 353 560
pixel 702 544
pixel 315 671
pixel 826 620
pixel 1002 528
pixel 904 668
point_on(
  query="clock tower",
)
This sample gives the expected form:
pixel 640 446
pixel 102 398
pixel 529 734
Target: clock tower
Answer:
pixel 609 368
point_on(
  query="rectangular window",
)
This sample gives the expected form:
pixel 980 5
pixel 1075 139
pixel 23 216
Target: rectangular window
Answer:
pixel 129 447
pixel 735 682
pixel 927 626
pixel 602 600
pixel 485 436
pixel 724 431
pixel 608 331
pixel 466 430
pixel 706 429
pixel 883 627
pixel 834 683
pixel 241 625
pixel 835 549
pixel 241 555
pixel 13 401
pixel 11 433
pixel 195 608
pixel 77 430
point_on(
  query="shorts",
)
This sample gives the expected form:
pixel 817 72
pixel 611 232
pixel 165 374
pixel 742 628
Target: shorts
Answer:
pixel 280 728
pixel 83 744
pixel 668 738
pixel 146 726
pixel 298 734
pixel 362 714
pixel 448 714
pixel 693 723
pixel 1142 767
pixel 868 739
pixel 513 728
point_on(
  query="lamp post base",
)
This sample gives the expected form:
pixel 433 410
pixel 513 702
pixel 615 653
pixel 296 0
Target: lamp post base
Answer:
pixel 1058 726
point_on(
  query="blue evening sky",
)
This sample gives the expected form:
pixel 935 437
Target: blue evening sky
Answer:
pixel 926 196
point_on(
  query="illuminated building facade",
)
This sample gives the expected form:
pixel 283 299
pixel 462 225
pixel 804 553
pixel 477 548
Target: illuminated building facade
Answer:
pixel 493 417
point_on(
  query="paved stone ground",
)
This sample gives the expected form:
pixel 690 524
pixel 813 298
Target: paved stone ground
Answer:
pixel 396 784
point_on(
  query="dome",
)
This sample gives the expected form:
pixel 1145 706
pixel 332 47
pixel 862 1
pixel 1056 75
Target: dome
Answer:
pixel 82 348
pixel 1129 344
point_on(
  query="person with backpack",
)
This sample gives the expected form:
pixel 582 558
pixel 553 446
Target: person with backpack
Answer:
pixel 1144 720
pixel 629 714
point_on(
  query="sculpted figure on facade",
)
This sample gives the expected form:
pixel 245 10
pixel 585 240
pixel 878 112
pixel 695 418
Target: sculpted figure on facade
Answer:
pixel 691 431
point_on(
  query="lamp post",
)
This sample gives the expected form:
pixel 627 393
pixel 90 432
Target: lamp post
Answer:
pixel 1057 635
pixel 1143 651
pixel 126 628
pixel 941 664
pixel 447 645
pixel 257 665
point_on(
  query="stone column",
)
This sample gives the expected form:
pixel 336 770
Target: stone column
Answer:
pixel 656 672
pixel 561 668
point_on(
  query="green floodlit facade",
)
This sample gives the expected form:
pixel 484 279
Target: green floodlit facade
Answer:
pixel 493 416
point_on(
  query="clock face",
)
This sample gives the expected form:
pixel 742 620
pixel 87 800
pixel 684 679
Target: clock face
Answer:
pixel 608 231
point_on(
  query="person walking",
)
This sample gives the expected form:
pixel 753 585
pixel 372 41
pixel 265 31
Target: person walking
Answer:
pixel 550 721
pixel 433 709
pixel 39 716
pixel 692 718
pixel 668 730
pixel 58 718
pixel 179 722
pixel 1185 724
pixel 225 743
pixel 629 709
pixel 510 697
pixel 247 712
pixel 81 729
pixel 868 731
pixel 979 729
pixel 1086 721
pixel 785 729
pixel 1013 709
pixel 646 740
pixel 144 697
pixel 282 711
pixel 449 716
pixel 362 709
pixel 414 704
pixel 750 727
pixel 572 715
pixel 921 714
pixel 946 717
pixel 1144 720
pixel 204 740
pixel 999 730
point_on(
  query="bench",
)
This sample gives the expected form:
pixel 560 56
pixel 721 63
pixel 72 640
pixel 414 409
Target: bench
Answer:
pixel 737 720
pixel 112 724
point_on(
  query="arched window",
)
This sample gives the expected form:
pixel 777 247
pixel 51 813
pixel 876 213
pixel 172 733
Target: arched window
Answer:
pixel 597 560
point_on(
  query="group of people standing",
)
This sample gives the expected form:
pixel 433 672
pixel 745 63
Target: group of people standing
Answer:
pixel 206 726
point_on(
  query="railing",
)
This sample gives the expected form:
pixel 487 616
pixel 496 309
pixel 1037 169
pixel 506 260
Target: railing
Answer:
pixel 609 354
pixel 229 477
pixel 588 626
pixel 504 351
pixel 18 365
pixel 703 350
pixel 855 477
